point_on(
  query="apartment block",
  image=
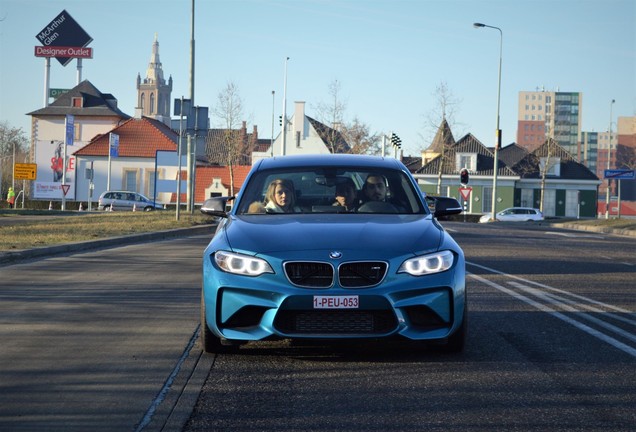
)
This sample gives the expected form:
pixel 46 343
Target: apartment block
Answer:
pixel 553 114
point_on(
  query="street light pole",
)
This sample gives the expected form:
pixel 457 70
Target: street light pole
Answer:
pixel 271 145
pixel 609 154
pixel 284 143
pixel 498 136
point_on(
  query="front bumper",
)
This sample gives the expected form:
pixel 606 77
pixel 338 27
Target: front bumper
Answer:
pixel 265 307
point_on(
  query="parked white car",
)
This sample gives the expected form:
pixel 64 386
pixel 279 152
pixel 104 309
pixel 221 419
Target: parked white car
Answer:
pixel 515 214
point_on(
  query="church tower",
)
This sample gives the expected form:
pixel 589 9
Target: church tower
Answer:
pixel 153 94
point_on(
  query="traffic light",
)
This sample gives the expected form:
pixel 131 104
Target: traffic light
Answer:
pixel 396 141
pixel 463 176
pixel 280 120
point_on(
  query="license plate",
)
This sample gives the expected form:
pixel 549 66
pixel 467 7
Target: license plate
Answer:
pixel 336 302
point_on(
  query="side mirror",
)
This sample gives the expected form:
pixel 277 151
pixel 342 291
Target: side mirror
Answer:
pixel 216 206
pixel 446 206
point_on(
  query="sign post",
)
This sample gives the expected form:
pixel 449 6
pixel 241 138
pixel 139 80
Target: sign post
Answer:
pixel 465 193
pixel 113 151
pixel 618 175
pixel 69 127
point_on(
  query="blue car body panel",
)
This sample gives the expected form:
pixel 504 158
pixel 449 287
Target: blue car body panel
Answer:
pixel 274 305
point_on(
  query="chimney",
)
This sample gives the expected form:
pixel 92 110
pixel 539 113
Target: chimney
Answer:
pixel 299 119
pixel 243 133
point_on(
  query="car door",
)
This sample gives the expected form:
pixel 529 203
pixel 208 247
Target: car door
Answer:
pixel 505 215
pixel 128 201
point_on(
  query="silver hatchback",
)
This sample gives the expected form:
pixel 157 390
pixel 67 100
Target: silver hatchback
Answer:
pixel 126 201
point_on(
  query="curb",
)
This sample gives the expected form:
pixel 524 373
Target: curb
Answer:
pixel 14 257
pixel 603 230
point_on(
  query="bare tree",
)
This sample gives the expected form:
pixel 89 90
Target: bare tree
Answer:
pixel 332 114
pixel 545 165
pixel 360 139
pixel 625 157
pixel 13 143
pixel 441 116
pixel 229 109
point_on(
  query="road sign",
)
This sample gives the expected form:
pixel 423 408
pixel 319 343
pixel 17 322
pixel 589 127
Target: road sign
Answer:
pixel 465 192
pixel 620 174
pixel 63 31
pixel 25 171
pixel 65 188
pixel 57 92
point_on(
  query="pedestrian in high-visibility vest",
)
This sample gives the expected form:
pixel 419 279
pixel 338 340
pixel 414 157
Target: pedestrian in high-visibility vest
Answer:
pixel 11 197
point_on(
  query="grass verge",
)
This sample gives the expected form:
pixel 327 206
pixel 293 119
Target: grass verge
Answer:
pixel 40 232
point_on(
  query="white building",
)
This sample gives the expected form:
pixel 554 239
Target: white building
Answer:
pixel 304 135
pixel 93 112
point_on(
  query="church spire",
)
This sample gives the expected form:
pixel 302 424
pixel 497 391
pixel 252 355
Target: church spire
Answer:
pixel 153 94
pixel 154 73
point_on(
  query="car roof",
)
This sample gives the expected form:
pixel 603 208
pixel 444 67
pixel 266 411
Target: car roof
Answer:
pixel 334 160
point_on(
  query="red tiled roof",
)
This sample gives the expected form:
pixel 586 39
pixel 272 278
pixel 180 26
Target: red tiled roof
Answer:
pixel 137 138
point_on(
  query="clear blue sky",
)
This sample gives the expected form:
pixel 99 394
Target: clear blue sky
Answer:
pixel 389 56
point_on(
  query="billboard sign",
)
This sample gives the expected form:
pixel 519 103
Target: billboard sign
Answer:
pixel 72 52
pixel 63 31
pixel 49 161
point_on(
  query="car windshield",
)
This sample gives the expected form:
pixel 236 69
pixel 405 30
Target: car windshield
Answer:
pixel 330 190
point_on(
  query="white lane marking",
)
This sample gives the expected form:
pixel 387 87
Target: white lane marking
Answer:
pixel 589 300
pixel 547 298
pixel 589 330
pixel 615 317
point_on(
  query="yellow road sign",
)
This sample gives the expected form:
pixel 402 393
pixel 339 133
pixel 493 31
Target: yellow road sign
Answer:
pixel 25 171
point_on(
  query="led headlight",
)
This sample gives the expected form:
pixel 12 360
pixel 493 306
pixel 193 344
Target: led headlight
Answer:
pixel 428 264
pixel 241 264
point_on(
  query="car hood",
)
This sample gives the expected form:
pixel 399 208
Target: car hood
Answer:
pixel 284 233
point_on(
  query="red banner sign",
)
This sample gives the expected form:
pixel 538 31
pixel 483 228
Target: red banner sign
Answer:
pixel 64 52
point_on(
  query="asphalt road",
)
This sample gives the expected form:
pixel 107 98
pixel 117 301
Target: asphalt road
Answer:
pixel 105 341
pixel 93 341
pixel 552 347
